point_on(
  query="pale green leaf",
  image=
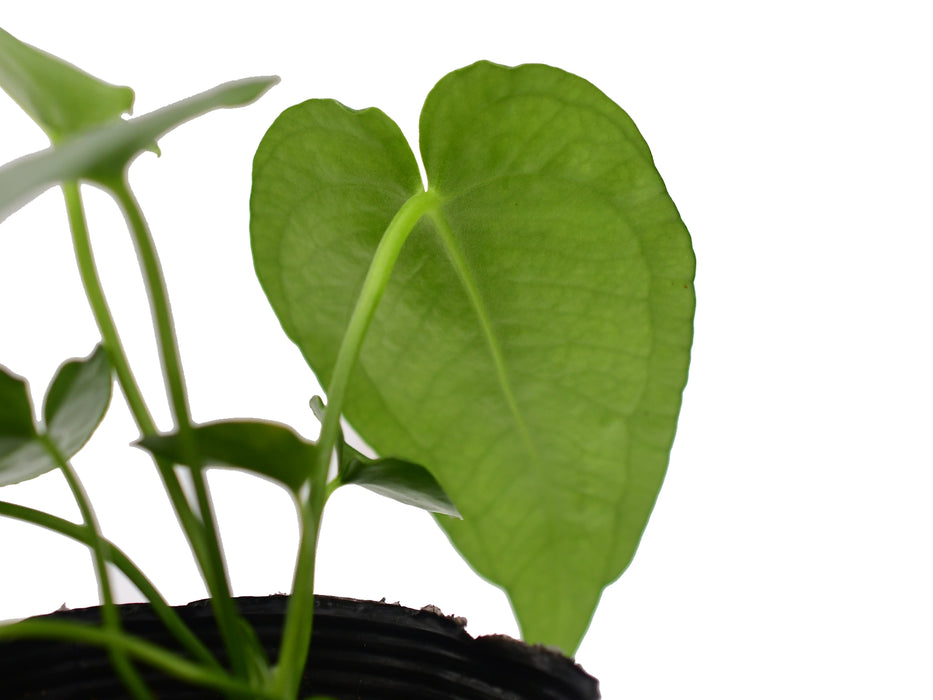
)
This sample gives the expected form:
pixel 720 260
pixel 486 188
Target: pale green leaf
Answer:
pixel 60 98
pixel 532 344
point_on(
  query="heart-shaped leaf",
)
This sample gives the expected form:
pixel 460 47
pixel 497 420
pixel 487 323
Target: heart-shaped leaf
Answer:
pixel 60 98
pixel 532 344
pixel 77 401
pixel 269 449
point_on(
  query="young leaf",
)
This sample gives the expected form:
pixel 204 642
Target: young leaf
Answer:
pixel 397 479
pixel 16 419
pixel 532 344
pixel 74 406
pixel 77 401
pixel 269 449
pixel 60 98
pixel 22 459
pixel 402 481
pixel 101 153
pixel 22 455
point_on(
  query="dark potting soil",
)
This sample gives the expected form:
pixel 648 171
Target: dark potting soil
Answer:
pixel 360 650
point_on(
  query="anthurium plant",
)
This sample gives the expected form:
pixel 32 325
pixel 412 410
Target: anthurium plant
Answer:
pixel 511 337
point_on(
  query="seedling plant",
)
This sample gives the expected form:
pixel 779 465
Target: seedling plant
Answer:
pixel 511 337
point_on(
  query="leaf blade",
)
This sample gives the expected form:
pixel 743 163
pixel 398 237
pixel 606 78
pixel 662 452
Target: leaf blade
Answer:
pixel 545 142
pixel 77 401
pixel 401 481
pixel 22 454
pixel 363 157
pixel 271 450
pixel 532 344
pixel 102 152
pixel 16 418
pixel 61 98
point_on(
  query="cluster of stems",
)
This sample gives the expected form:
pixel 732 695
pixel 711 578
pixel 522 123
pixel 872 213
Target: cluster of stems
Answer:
pixel 250 675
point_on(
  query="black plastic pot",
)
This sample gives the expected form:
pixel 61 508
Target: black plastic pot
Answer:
pixel 359 651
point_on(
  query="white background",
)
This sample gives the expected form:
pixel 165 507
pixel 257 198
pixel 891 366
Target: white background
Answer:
pixel 791 550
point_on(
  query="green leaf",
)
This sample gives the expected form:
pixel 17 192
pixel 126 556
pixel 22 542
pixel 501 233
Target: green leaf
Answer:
pixel 22 455
pixel 74 406
pixel 402 481
pixel 60 98
pixel 22 459
pixel 532 344
pixel 269 449
pixel 397 479
pixel 16 419
pixel 102 153
pixel 77 401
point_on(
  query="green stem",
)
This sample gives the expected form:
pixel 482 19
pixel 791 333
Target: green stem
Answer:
pixel 189 523
pixel 191 526
pixel 201 536
pixel 159 304
pixel 117 356
pixel 377 277
pixel 296 637
pixel 114 555
pixel 209 550
pixel 101 310
pixel 146 652
pixel 111 618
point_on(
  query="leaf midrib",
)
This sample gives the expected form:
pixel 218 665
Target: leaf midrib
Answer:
pixel 467 280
